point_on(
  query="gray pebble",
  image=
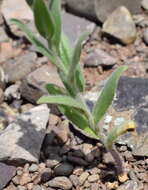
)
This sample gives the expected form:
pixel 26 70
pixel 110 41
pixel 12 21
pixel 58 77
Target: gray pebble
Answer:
pixel 63 169
pixel 33 168
pixel 145 36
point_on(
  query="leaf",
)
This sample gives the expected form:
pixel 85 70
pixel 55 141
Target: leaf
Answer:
pixel 61 100
pixel 43 20
pixel 65 50
pixel 40 47
pixel 55 8
pixel 74 78
pixel 78 119
pixel 116 132
pixel 55 90
pixel 107 95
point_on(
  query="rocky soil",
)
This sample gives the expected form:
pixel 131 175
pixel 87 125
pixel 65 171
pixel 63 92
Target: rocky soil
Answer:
pixel 39 148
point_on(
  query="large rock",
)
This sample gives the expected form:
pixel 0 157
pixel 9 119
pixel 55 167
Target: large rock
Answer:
pixel 33 86
pixel 74 26
pixel 17 68
pixel 16 9
pixel 6 174
pixel 21 141
pixel 121 25
pixel 83 8
pixel 144 4
pixel 105 7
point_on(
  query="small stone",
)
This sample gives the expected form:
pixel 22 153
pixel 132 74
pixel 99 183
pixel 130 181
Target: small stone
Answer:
pixel 117 24
pixel 74 180
pixel 25 178
pixel 21 187
pixel 78 171
pixel 87 150
pixel 144 4
pixel 95 186
pixel 118 121
pixel 83 177
pixel 145 36
pixel 53 161
pixel 107 158
pixel 93 178
pixel 46 175
pixel 99 58
pixel 129 185
pixel 77 160
pixel 112 185
pixel 12 92
pixel 63 169
pixel 10 187
pixel 86 184
pixel 33 168
pixel 61 183
pixel 29 186
pixel 122 178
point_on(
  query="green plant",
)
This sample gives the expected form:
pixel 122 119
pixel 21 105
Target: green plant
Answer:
pixel 70 99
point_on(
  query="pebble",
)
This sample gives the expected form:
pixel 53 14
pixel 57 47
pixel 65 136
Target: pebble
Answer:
pixel 64 169
pixel 77 160
pixel 93 178
pixel 129 185
pixel 107 158
pixel 37 187
pixel 61 183
pixel 108 119
pixel 95 186
pixel 53 161
pixel 33 168
pixel 83 177
pixel 145 36
pixel 25 178
pixel 87 150
pixel 74 180
pixel 119 121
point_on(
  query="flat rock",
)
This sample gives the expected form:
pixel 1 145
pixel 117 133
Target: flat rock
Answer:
pixel 131 99
pixel 117 23
pixel 33 86
pixel 104 7
pixel 144 4
pixel 61 183
pixel 99 58
pixel 21 11
pixel 20 65
pixel 21 141
pixel 6 174
pixel 74 26
pixel 83 8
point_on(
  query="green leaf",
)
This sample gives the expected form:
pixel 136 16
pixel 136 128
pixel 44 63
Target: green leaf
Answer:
pixel 77 79
pixel 43 20
pixel 55 8
pixel 61 100
pixel 116 132
pixel 77 118
pixel 39 45
pixel 54 89
pixel 107 95
pixel 65 50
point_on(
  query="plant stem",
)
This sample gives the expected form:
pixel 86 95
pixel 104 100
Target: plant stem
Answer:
pixel 118 160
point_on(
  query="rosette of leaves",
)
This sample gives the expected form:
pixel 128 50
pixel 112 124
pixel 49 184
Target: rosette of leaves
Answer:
pixel 69 100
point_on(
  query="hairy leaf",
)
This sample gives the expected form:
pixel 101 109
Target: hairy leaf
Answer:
pixel 65 50
pixel 107 95
pixel 55 8
pixel 74 78
pixel 117 131
pixel 61 100
pixel 43 20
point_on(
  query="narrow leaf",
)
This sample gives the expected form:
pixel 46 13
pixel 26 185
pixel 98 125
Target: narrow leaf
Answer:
pixel 116 132
pixel 55 8
pixel 77 118
pixel 43 19
pixel 55 90
pixel 65 50
pixel 107 94
pixel 61 100
pixel 76 57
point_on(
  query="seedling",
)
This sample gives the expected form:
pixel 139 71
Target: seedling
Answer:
pixel 69 99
